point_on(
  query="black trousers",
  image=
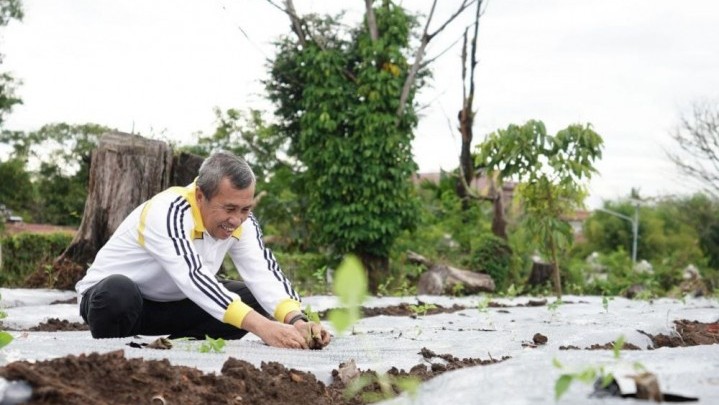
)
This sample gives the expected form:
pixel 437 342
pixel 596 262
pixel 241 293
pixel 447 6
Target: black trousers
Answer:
pixel 114 308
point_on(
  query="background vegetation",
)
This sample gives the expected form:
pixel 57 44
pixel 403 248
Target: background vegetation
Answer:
pixel 335 171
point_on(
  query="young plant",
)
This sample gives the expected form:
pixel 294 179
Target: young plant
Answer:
pixel 350 286
pixel 605 302
pixel 389 386
pixel 421 309
pixel 589 374
pixel 458 289
pixel 5 338
pixel 554 306
pixel 212 345
pixel 483 306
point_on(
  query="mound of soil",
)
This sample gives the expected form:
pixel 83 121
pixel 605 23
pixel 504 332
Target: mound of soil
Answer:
pixel 404 309
pixel 113 379
pixel 688 333
pixel 56 325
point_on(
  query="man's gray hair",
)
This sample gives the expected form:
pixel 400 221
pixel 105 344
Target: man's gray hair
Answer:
pixel 220 165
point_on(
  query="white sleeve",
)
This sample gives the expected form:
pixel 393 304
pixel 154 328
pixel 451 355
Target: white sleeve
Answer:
pixel 261 273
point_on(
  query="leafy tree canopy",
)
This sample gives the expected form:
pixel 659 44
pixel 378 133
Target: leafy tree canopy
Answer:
pixel 337 94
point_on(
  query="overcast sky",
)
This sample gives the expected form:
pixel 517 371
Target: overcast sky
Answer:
pixel 159 67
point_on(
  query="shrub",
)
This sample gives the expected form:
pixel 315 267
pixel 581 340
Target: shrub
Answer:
pixel 24 253
pixel 492 255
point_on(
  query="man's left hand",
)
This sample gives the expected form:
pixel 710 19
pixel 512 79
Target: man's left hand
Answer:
pixel 317 336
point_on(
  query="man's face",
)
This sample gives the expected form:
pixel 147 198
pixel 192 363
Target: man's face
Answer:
pixel 227 210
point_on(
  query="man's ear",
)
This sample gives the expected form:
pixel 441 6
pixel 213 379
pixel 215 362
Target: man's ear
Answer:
pixel 199 197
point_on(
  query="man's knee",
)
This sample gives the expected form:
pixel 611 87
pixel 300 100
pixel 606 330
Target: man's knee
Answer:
pixel 113 307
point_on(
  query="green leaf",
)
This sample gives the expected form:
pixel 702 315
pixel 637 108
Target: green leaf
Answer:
pixel 607 379
pixel 556 363
pixel 341 319
pixel 618 345
pixel 350 281
pixel 5 339
pixel 562 385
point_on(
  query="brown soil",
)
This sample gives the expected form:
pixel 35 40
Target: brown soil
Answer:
pixel 56 325
pixel 530 303
pixel 688 333
pixel 404 309
pixel 112 379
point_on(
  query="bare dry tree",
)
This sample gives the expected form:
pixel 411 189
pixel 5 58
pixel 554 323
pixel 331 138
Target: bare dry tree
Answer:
pixel 698 139
pixel 300 29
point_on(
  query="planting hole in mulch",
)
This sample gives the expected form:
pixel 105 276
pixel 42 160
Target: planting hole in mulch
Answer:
pixel 112 378
pixel 687 333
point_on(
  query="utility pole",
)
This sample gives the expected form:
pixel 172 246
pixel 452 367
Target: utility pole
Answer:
pixel 635 226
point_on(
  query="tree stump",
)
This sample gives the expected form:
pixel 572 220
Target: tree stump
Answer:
pixel 541 274
pixel 126 170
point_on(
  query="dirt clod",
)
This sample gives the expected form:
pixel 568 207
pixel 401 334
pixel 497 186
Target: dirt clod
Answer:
pixel 539 339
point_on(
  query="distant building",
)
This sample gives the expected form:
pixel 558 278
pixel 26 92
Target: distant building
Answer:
pixel 576 221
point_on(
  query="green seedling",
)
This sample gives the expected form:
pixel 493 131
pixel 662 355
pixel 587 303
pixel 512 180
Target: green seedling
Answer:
pixel 511 291
pixel 458 289
pixel 5 338
pixel 313 316
pixel 590 374
pixel 605 302
pixel 212 345
pixel 483 306
pixel 421 310
pixel 388 384
pixel 314 341
pixel 554 306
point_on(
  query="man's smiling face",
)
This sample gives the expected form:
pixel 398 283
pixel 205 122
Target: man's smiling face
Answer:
pixel 227 209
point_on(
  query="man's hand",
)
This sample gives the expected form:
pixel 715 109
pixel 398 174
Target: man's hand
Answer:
pixel 317 336
pixel 274 333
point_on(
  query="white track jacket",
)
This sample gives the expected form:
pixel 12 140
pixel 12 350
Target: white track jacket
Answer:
pixel 164 248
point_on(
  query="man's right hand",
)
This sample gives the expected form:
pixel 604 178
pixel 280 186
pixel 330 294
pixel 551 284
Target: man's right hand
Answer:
pixel 274 333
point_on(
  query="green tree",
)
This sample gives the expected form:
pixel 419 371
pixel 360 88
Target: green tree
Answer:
pixel 337 97
pixel 16 190
pixel 9 9
pixel 63 153
pixel 667 231
pixel 551 171
pixel 247 134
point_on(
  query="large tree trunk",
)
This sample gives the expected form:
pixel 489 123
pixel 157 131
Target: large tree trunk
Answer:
pixel 377 268
pixel 126 170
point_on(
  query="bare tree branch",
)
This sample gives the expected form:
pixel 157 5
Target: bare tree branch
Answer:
pixel 296 22
pixel 419 55
pixel 698 139
pixel 371 21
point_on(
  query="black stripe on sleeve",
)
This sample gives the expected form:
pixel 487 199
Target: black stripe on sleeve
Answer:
pixel 272 264
pixel 194 263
